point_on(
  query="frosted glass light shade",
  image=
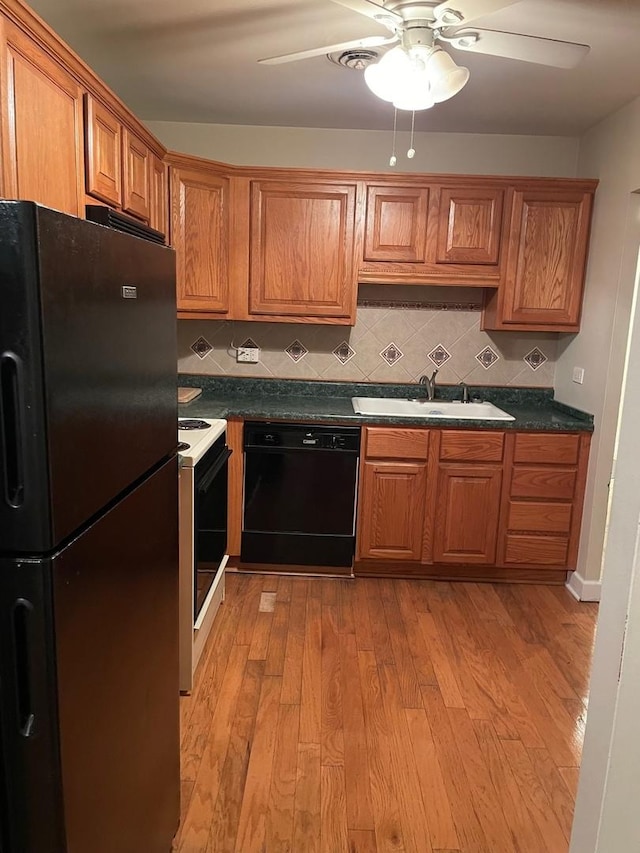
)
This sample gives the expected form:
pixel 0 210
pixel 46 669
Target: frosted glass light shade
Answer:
pixel 387 76
pixel 447 78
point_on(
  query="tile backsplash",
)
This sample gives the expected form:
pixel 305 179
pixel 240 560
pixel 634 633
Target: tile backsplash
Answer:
pixel 400 334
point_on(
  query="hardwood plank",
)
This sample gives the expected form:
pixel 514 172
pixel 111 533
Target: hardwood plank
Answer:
pixel 307 819
pixel 260 636
pixel 331 725
pixel 555 788
pixel 292 670
pixel 255 800
pixel 384 797
pixel 379 628
pixel 280 814
pixel 415 640
pixel 362 841
pixel 415 827
pixel 333 810
pixel 442 832
pixel 570 776
pixel 362 621
pixel 226 813
pixel 524 831
pixel 274 663
pixel 356 758
pixel 208 777
pixel 534 796
pixel 445 677
pixel 468 829
pixel 486 802
pixel 311 688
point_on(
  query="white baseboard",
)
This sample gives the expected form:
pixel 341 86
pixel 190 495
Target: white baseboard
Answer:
pixel 583 590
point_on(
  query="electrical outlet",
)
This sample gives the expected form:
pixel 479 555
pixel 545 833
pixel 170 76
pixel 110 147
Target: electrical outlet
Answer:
pixel 248 355
pixel 578 375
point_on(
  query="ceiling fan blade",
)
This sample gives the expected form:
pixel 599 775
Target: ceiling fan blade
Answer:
pixel 559 54
pixel 468 10
pixel 369 41
pixel 370 10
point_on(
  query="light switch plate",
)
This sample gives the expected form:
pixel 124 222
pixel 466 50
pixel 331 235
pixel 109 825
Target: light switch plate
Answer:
pixel 578 375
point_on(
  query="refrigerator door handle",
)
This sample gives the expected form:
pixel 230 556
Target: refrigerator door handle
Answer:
pixel 22 648
pixel 11 422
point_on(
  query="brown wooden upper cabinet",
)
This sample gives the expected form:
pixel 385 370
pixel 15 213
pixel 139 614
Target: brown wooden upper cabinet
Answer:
pixel 41 118
pixel 200 235
pixel 433 234
pixel 469 226
pixel 547 256
pixel 137 176
pixel 121 171
pixel 159 203
pixel 301 251
pixel 103 134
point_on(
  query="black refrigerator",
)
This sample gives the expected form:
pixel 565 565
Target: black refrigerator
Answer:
pixel 89 726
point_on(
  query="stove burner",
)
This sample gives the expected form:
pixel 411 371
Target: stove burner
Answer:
pixel 183 446
pixel 192 423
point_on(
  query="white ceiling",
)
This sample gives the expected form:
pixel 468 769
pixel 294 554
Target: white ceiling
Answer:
pixel 195 60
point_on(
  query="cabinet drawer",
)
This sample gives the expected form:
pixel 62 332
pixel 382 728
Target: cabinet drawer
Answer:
pixel 547 449
pixel 531 482
pixel 539 516
pixel 467 446
pixel 537 550
pixel 385 443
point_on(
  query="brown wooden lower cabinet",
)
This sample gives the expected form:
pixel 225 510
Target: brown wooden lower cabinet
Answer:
pixel 467 512
pixel 485 505
pixel 391 510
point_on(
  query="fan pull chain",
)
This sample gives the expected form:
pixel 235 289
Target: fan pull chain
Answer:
pixel 411 153
pixel 393 159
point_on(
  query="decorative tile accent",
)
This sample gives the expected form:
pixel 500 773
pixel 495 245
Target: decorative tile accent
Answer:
pixel 201 347
pixel 535 359
pixel 296 350
pixel 343 352
pixel 249 342
pixel 391 354
pixel 487 357
pixel 425 306
pixel 439 355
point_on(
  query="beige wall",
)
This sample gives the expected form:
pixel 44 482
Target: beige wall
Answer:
pixel 462 153
pixel 610 152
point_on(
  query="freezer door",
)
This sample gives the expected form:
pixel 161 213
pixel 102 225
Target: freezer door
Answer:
pixel 97 749
pixel 87 370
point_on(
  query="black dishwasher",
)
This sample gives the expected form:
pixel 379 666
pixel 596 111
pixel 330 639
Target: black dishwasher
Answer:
pixel 299 494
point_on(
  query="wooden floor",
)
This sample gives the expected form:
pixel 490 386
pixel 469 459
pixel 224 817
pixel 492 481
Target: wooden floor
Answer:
pixel 378 715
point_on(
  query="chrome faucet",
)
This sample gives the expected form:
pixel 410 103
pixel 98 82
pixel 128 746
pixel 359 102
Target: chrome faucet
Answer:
pixel 465 392
pixel 430 383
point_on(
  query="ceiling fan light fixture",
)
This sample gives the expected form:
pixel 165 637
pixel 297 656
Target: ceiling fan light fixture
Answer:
pixel 447 78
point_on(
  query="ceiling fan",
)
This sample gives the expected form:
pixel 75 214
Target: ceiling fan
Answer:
pixel 414 22
pixel 418 72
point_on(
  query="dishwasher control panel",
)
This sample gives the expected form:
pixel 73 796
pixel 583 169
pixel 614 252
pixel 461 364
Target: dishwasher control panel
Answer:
pixel 301 436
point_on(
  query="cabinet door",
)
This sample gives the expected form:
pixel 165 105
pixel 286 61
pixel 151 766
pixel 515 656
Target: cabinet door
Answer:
pixel 137 197
pixel 391 510
pixel 302 250
pixel 547 258
pixel 396 224
pixel 41 118
pixel 467 513
pixel 103 136
pixel 469 225
pixel 159 198
pixel 200 236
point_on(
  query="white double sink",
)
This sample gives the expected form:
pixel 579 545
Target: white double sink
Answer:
pixel 448 409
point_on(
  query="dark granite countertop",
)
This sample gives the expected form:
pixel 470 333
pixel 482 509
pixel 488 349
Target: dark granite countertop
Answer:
pixel 330 402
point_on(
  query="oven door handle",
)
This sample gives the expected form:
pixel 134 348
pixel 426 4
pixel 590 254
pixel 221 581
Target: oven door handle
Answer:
pixel 213 472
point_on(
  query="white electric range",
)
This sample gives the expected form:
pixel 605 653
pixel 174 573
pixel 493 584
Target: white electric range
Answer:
pixel 203 534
